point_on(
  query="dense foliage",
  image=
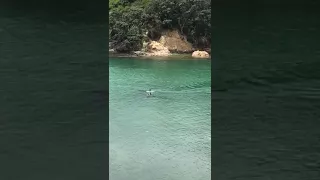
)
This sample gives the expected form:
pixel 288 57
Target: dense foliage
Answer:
pixel 131 19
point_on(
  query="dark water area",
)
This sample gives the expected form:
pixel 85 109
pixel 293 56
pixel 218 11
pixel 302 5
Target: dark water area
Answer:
pixel 81 11
pixel 53 94
pixel 266 93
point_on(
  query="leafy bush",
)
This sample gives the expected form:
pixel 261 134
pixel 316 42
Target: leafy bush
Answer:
pixel 125 29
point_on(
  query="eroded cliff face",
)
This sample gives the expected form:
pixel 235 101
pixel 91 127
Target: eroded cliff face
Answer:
pixel 155 48
pixel 175 42
pixel 166 43
pixel 171 41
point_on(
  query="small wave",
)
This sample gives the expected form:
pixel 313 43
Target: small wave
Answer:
pixel 279 73
pixel 199 85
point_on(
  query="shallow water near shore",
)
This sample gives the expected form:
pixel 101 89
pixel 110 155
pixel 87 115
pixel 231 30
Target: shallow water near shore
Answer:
pixel 173 56
pixel 165 136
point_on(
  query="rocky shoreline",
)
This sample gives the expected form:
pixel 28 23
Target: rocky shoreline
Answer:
pixel 170 44
pixel 141 54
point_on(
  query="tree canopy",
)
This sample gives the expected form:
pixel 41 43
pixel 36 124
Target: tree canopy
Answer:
pixel 130 19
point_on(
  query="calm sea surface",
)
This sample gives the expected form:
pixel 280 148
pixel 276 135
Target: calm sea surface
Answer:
pixel 166 136
pixel 266 94
pixel 53 98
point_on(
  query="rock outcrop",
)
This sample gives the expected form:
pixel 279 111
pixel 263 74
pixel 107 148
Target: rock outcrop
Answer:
pixel 155 48
pixel 175 42
pixel 163 44
pixel 200 54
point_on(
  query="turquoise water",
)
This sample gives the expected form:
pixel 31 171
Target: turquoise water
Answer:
pixel 166 136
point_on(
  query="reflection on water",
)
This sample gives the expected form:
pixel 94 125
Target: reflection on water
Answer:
pixel 266 95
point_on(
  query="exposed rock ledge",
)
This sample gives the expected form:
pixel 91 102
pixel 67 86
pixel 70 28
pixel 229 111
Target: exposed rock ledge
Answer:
pixel 175 42
pixel 169 42
pixel 155 48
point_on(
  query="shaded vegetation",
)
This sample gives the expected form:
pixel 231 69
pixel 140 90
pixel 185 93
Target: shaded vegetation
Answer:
pixel 131 19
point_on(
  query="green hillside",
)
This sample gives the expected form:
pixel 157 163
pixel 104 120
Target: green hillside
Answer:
pixel 130 20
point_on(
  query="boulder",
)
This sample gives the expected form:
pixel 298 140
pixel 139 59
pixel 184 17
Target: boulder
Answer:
pixel 200 54
pixel 139 53
pixel 155 48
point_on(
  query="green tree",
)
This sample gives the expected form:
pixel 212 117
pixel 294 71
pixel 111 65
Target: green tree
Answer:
pixel 125 29
pixel 191 17
pixel 130 18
